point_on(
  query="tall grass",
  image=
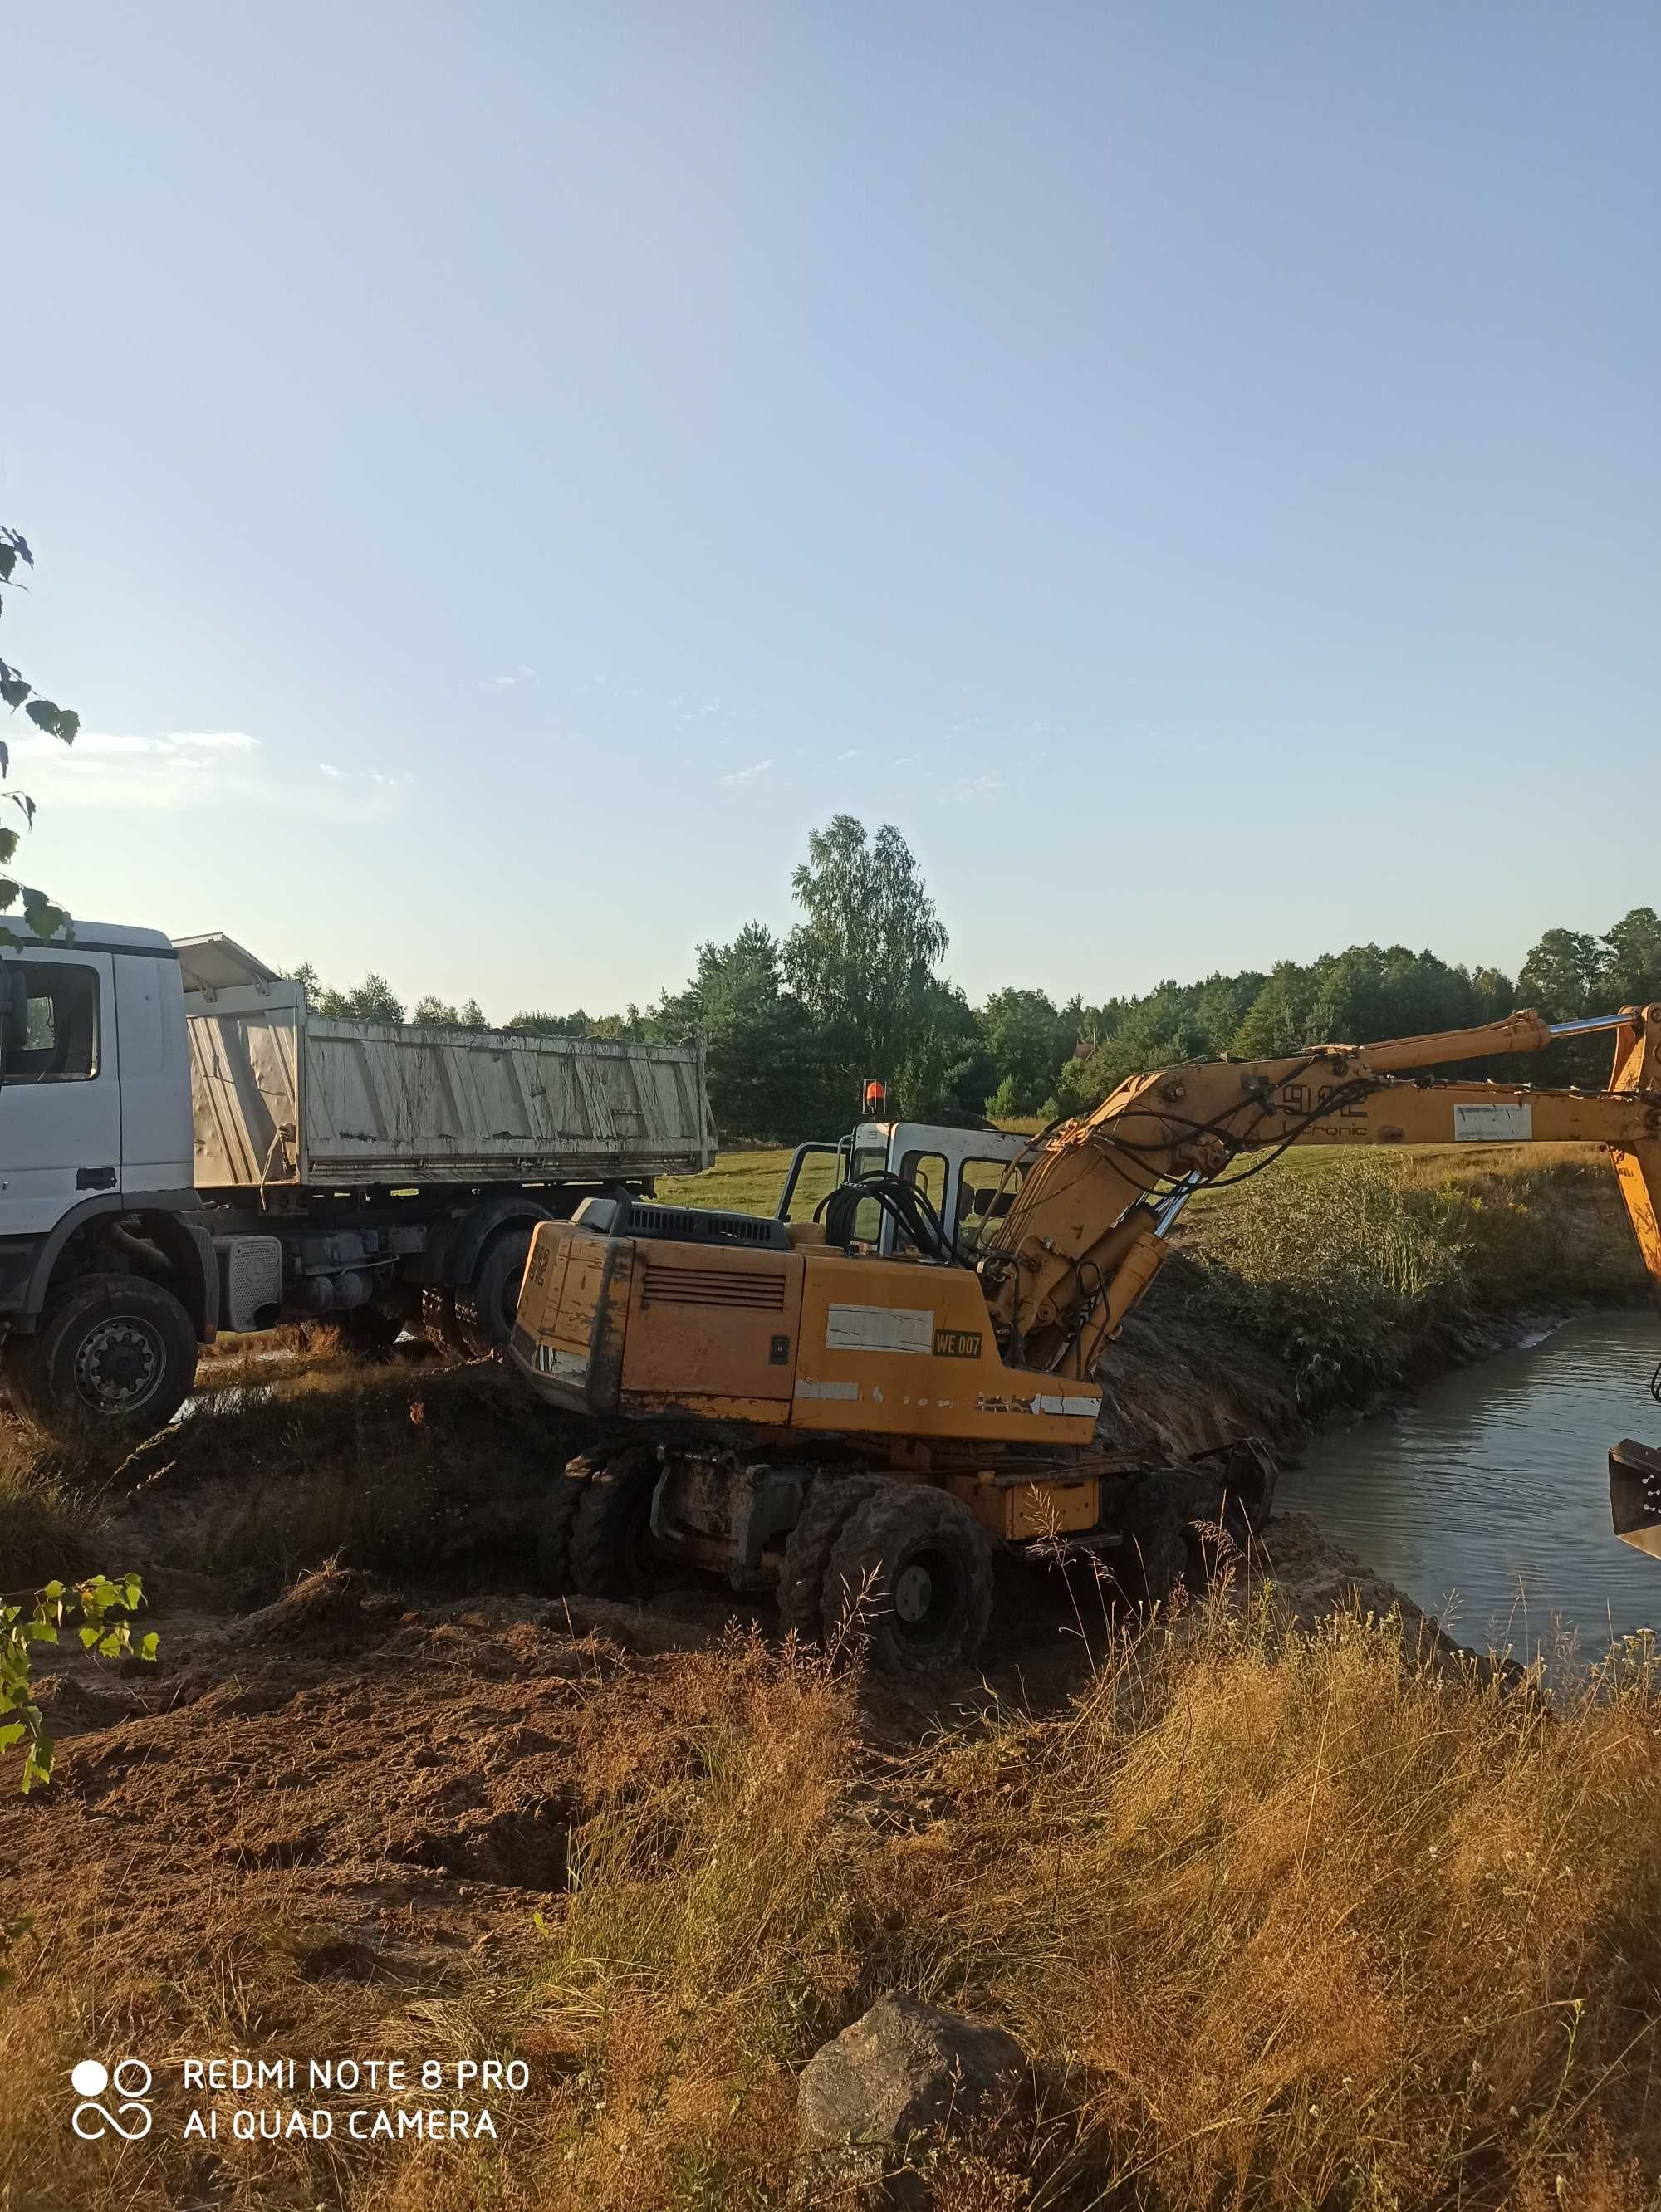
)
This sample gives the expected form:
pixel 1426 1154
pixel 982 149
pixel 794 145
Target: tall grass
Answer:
pixel 1286 1919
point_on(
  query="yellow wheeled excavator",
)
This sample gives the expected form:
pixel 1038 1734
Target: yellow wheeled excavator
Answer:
pixel 863 1407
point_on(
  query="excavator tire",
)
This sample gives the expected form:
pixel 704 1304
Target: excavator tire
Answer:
pixel 807 1551
pixel 557 1526
pixel 613 1553
pixel 912 1570
pixel 1179 1527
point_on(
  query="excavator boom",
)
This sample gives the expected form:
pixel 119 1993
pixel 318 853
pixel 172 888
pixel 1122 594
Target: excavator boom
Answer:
pixel 1088 1228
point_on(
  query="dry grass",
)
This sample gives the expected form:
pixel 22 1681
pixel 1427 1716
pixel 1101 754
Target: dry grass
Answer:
pixel 1282 1921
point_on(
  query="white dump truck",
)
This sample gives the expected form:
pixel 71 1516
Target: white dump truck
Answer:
pixel 186 1147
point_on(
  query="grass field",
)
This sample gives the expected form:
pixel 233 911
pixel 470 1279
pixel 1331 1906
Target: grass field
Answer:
pixel 749 1180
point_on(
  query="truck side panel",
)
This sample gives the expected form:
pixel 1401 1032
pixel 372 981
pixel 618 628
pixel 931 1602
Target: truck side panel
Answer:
pixel 373 1102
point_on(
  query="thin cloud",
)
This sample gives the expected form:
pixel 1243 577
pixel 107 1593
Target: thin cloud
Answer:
pixel 123 771
pixel 741 776
pixel 853 753
pixel 361 776
pixel 968 790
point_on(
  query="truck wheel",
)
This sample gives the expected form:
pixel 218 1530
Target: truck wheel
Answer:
pixel 830 1499
pixel 113 1351
pixel 913 1568
pixel 485 1308
pixel 556 1527
pixel 613 1553
pixel 440 1326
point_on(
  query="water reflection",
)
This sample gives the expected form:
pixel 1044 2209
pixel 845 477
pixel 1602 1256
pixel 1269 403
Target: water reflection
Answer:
pixel 1486 1500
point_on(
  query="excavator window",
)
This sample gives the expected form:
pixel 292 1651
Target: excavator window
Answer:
pixel 986 1191
pixel 867 1215
pixel 927 1171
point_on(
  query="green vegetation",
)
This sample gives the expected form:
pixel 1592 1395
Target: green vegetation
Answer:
pixel 794 1027
pixel 100 1607
pixel 40 915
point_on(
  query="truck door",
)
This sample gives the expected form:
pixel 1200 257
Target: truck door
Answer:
pixel 60 1092
pixel 157 1147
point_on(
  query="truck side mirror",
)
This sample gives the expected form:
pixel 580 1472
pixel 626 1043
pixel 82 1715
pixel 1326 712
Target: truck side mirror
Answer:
pixel 14 1010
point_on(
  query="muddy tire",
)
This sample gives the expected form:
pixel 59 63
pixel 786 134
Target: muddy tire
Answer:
pixel 1172 1537
pixel 830 1499
pixel 912 1569
pixel 440 1325
pixel 113 1352
pixel 613 1554
pixel 485 1308
pixel 557 1527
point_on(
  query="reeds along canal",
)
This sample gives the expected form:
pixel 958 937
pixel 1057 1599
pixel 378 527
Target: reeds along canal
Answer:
pixel 1486 1496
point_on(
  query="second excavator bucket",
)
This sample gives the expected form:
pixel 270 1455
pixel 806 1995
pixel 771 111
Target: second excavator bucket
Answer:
pixel 1636 1495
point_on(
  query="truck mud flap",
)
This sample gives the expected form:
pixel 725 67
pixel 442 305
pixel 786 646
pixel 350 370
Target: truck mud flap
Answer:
pixel 1636 1495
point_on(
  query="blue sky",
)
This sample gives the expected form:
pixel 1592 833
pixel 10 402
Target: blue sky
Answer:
pixel 500 475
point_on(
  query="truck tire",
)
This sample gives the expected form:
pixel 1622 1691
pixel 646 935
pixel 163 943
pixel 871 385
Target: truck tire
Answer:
pixel 830 1499
pixel 486 1308
pixel 613 1554
pixel 440 1325
pixel 556 1528
pixel 913 1570
pixel 111 1352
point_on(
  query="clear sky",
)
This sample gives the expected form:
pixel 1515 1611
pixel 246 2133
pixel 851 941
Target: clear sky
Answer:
pixel 500 474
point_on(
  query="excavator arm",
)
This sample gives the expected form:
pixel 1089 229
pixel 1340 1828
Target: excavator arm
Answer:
pixel 1089 1227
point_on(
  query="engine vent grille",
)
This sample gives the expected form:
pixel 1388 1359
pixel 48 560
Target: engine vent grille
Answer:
pixel 694 1225
pixel 712 1286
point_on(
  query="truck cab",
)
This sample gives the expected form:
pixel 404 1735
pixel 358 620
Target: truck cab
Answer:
pixel 969 1177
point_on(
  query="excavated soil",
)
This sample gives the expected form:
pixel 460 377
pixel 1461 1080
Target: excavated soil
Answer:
pixel 408 1773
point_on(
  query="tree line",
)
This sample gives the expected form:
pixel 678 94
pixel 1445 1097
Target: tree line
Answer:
pixel 794 1026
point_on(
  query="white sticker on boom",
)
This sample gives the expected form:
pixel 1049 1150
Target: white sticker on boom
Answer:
pixel 1494 1125
pixel 880 1329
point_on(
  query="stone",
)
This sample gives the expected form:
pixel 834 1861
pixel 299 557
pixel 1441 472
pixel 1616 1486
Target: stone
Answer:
pixel 900 2068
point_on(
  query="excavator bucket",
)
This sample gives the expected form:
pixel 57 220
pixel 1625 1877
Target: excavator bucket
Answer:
pixel 1636 1495
pixel 1635 1468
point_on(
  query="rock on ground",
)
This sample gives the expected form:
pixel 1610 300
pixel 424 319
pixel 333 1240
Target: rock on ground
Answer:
pixel 900 2068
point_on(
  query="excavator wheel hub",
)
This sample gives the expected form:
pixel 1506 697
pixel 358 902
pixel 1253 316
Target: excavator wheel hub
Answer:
pixel 913 1593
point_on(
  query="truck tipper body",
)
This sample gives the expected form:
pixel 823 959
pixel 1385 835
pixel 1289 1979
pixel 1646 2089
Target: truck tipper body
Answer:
pixel 187 1145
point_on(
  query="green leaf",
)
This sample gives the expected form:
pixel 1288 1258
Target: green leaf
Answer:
pixel 89 1637
pixel 7 563
pixel 149 1646
pixel 54 1589
pixel 8 843
pixel 69 725
pixel 45 919
pixel 10 1733
pixel 132 1593
pixel 43 713
pixel 14 691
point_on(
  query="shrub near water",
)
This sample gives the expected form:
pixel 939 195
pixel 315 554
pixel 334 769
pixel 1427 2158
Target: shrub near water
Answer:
pixel 1358 1271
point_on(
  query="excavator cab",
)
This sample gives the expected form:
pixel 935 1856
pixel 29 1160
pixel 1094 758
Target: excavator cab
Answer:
pixel 969 1176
